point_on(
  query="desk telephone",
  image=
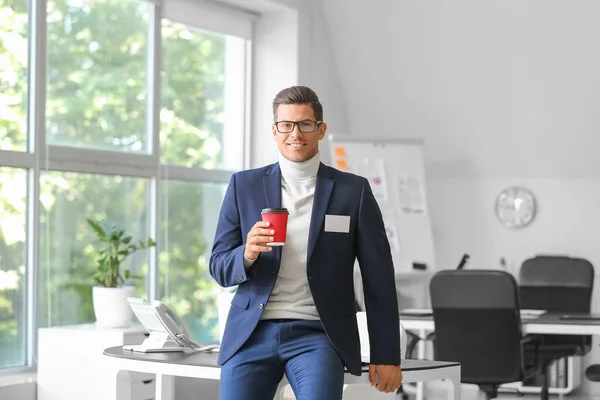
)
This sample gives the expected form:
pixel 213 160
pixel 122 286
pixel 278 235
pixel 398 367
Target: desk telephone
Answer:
pixel 167 332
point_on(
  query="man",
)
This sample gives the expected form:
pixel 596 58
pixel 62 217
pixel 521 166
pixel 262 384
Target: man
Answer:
pixel 294 310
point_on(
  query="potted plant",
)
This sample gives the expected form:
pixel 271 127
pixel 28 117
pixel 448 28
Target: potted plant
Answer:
pixel 111 291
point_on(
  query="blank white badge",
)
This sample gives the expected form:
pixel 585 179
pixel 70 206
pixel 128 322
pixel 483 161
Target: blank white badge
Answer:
pixel 337 223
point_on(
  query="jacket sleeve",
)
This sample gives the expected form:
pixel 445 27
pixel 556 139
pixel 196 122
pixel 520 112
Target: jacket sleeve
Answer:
pixel 227 258
pixel 379 285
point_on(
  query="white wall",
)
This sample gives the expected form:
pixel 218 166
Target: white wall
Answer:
pixel 480 81
pixel 320 70
pixel 566 222
pixel 275 66
pixel 503 93
pixel 292 47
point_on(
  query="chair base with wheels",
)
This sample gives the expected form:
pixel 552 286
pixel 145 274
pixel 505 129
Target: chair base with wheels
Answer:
pixel 592 373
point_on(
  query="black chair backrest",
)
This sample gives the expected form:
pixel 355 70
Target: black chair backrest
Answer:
pixel 477 323
pixel 556 283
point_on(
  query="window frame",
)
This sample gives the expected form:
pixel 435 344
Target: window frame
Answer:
pixel 41 157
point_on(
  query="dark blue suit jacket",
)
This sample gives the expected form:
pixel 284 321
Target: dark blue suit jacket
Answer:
pixel 330 263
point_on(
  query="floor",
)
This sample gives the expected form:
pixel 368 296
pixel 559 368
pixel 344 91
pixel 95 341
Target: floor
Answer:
pixel 435 391
pixel 471 392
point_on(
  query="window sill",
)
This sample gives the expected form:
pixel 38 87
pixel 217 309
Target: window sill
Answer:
pixel 18 379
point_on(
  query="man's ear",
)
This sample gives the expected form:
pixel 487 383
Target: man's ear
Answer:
pixel 274 130
pixel 322 130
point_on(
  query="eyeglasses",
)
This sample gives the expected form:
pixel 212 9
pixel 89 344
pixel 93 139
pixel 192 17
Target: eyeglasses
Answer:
pixel 306 126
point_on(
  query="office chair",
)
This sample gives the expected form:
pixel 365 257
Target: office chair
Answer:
pixel 413 340
pixel 478 323
pixel 562 285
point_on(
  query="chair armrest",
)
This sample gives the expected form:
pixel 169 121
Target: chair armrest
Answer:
pixel 413 340
pixel 531 339
pixel 531 343
pixel 411 343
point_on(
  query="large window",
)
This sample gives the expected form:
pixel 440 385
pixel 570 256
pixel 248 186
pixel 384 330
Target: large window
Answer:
pixel 97 66
pixel 187 232
pixel 128 111
pixel 202 98
pixel 13 189
pixel 67 258
pixel 13 75
pixel 202 110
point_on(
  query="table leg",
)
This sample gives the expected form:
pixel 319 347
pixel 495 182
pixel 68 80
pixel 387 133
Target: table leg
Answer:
pixel 281 389
pixel 421 356
pixel 165 387
pixel 453 384
pixel 122 385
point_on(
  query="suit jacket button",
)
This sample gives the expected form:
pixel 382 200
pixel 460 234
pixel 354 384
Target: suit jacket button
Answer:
pixel 239 278
pixel 261 306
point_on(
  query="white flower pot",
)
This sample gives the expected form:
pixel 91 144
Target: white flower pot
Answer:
pixel 111 307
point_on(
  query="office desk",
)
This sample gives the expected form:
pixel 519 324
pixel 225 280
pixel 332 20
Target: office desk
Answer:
pixel 204 366
pixel 548 323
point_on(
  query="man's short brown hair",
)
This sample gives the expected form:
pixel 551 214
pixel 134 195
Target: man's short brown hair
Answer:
pixel 298 95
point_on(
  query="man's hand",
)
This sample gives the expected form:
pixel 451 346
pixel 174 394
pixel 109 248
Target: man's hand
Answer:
pixel 385 378
pixel 257 239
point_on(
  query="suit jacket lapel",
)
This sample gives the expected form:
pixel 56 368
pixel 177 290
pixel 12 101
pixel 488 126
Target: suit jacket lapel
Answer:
pixel 323 190
pixel 272 187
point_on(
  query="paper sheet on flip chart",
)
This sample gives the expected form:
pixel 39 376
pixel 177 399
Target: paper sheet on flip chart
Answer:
pixel 374 172
pixel 410 194
pixel 391 230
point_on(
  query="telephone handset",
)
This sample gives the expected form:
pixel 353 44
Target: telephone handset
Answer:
pixel 167 331
pixel 170 320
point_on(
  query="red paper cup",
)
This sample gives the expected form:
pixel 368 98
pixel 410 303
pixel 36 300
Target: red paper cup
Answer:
pixel 278 217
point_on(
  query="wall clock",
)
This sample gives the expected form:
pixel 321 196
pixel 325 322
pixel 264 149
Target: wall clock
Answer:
pixel 515 207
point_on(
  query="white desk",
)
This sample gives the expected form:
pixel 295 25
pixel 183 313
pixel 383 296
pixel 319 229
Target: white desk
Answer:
pixel 204 366
pixel 549 323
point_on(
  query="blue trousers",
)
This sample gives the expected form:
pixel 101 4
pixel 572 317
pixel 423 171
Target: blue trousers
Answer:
pixel 298 348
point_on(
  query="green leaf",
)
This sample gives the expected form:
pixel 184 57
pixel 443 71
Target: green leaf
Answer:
pixel 109 227
pixel 119 245
pixel 97 228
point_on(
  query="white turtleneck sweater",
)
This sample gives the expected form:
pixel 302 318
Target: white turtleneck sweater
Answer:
pixel 291 297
